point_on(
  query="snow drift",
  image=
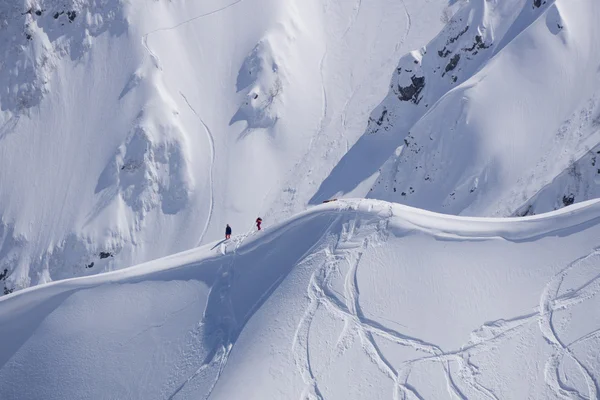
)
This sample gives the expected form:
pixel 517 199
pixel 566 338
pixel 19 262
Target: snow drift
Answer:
pixel 392 301
pixel 491 118
pixel 131 130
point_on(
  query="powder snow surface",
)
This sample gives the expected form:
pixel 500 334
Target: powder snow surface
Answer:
pixel 140 128
pixel 132 132
pixel 350 300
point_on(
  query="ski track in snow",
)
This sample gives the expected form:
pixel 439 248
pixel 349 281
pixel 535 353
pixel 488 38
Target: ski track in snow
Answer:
pixel 348 251
pixel 228 328
pixel 549 302
pixel 352 19
pixel 156 61
pixel 211 141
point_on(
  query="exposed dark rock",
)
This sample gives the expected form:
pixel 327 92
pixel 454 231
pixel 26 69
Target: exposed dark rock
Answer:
pixel 452 64
pixel 90 265
pixel 538 3
pixel 58 14
pixel 455 38
pixel 479 44
pixel 31 11
pixel 3 275
pixel 105 254
pixel 568 200
pixel 444 52
pixel 380 120
pixel 71 15
pixel 412 91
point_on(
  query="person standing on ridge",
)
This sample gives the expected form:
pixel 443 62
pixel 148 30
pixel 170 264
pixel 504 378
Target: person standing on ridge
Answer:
pixel 258 222
pixel 227 232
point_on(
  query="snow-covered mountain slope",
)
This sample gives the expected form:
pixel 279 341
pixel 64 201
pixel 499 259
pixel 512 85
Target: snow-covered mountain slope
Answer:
pixel 579 182
pixel 488 114
pixel 130 130
pixel 348 300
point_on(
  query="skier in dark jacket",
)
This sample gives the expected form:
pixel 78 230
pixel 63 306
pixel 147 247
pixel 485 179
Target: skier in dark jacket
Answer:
pixel 227 232
pixel 258 222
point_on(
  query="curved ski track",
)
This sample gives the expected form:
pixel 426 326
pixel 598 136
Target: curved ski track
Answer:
pixel 347 253
pixel 221 352
pixel 156 61
pixel 349 250
pixel 211 141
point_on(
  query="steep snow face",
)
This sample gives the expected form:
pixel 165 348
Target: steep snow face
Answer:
pixel 579 182
pixel 349 300
pixel 133 130
pixel 486 115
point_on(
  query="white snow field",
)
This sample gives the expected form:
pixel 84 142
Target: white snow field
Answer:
pixel 131 130
pixel 496 116
pixel 355 299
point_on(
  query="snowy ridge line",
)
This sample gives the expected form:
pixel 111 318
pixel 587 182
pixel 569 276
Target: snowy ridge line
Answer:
pixel 220 353
pixel 404 217
pixel 333 264
pixel 348 249
pixel 357 235
pixel 512 228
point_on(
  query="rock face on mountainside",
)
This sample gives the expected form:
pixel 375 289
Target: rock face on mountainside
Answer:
pixel 37 35
pixel 140 129
pixel 477 122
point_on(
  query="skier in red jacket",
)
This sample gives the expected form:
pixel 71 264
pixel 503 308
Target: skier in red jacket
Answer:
pixel 258 222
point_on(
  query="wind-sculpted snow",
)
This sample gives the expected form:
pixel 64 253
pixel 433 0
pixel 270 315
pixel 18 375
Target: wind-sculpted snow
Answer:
pixel 474 122
pixel 473 156
pixel 141 128
pixel 350 300
pixel 37 35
